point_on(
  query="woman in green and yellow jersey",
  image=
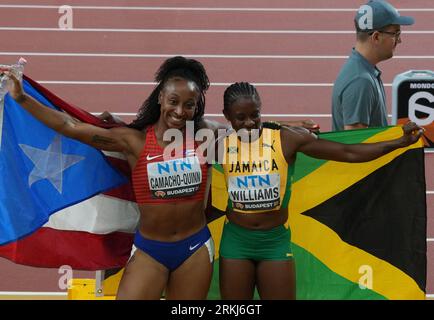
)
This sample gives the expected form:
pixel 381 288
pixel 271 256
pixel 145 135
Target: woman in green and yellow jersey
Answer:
pixel 258 165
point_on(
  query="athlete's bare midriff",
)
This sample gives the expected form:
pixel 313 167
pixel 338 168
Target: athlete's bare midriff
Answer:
pixel 259 221
pixel 172 221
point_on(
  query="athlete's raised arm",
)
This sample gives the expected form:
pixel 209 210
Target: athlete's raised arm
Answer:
pixel 105 139
pixel 361 152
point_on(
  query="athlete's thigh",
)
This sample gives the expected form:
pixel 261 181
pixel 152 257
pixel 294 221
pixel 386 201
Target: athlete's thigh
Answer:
pixel 192 279
pixel 237 279
pixel 276 279
pixel 144 278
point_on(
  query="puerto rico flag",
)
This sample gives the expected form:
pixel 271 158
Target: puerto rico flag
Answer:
pixel 61 201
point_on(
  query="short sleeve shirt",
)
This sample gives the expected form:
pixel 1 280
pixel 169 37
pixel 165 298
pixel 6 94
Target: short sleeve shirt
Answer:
pixel 358 95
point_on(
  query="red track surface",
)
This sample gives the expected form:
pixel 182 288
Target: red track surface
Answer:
pixel 280 98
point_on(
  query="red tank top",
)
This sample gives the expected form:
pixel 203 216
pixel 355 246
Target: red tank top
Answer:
pixel 157 180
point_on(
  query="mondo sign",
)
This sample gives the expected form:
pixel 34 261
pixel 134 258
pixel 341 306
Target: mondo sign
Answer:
pixel 413 100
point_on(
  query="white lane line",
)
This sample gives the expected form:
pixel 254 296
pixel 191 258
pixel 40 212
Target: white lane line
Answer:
pixel 281 115
pixel 218 115
pixel 134 8
pixel 64 294
pixel 204 56
pixel 30 293
pixel 214 84
pixel 316 32
pixel 218 84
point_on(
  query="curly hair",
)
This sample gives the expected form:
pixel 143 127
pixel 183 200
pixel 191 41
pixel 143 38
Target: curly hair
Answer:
pixel 188 69
pixel 240 90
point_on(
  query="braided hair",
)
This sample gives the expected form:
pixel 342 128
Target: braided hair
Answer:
pixel 240 90
pixel 188 69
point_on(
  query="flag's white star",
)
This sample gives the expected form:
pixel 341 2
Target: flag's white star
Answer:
pixel 49 163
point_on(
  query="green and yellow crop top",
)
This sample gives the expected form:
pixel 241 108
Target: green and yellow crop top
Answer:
pixel 256 176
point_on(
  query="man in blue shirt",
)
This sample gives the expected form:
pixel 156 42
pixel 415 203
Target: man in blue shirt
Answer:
pixel 359 99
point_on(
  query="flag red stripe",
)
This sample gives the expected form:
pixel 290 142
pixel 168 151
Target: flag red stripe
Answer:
pixel 79 250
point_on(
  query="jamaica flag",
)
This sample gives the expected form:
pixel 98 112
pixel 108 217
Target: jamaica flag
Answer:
pixel 358 230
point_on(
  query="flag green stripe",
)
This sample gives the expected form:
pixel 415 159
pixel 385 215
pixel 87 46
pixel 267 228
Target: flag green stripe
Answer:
pixel 319 282
pixel 288 191
pixel 214 291
pixel 218 167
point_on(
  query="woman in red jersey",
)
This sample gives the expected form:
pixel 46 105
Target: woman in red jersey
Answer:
pixel 175 250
